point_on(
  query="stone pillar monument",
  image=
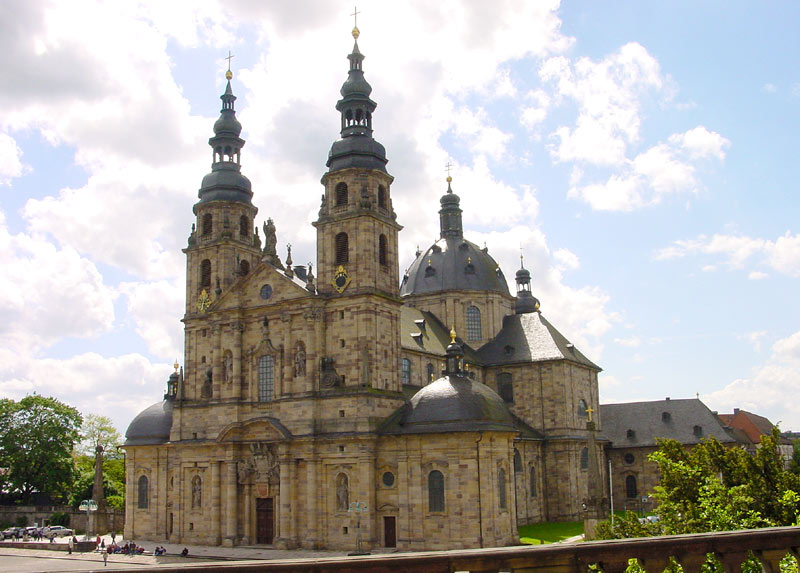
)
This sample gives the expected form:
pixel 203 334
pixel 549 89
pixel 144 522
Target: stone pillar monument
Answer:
pixel 99 517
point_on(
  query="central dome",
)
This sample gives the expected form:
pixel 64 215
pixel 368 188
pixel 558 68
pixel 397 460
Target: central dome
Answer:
pixel 453 263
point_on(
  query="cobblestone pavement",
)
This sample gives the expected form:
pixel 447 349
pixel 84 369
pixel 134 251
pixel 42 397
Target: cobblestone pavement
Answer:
pixel 31 560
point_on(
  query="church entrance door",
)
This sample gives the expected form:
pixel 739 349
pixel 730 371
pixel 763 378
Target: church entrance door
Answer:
pixel 265 520
pixel 389 531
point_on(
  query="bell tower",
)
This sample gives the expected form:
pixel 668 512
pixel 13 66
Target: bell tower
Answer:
pixel 357 252
pixel 222 245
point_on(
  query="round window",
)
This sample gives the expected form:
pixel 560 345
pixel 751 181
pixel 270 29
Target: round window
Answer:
pixel 266 292
pixel 388 479
pixel 629 459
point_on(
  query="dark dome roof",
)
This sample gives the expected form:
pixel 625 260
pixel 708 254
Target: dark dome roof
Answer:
pixel 225 183
pixel 227 124
pixel 456 404
pixel 151 426
pixel 453 264
pixel 357 151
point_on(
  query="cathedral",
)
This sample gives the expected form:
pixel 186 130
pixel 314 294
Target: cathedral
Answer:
pixel 346 405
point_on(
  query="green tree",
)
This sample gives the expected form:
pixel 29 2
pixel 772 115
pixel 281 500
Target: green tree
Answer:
pixel 36 445
pixel 99 430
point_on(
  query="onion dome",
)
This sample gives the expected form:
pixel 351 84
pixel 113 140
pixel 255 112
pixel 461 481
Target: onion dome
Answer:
pixel 151 426
pixel 454 403
pixel 226 182
pixel 357 147
pixel 525 301
pixel 452 262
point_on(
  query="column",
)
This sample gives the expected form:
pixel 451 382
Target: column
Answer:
pixel 216 361
pixel 248 511
pixel 287 494
pixel 311 516
pixel 133 492
pixel 236 384
pixel 230 505
pixel 215 503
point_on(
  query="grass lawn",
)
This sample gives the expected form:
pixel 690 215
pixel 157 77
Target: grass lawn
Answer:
pixel 549 532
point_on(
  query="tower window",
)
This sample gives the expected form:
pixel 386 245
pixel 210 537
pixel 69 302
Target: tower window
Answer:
pixel 342 247
pixel 517 461
pixel 473 323
pixel 505 386
pixel 585 459
pixel 405 371
pixel 429 369
pixel 143 497
pixel 381 197
pixel 435 491
pixel 501 487
pixel 206 227
pixel 244 227
pixel 532 479
pixel 205 274
pixel 341 194
pixel 582 408
pixel 382 250
pixel 244 268
pixel 266 378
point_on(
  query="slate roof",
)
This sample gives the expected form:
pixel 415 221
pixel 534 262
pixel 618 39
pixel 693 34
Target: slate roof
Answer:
pixel 648 423
pixel 453 263
pixel 424 332
pixel 151 426
pixel 530 337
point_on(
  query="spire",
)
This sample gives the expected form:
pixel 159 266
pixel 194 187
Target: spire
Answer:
pixel 356 148
pixel 525 302
pixel 455 357
pixel 450 213
pixel 225 182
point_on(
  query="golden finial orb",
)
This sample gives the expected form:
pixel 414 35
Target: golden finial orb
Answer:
pixel 228 75
pixel 176 365
pixel 452 334
pixel 449 179
pixel 356 32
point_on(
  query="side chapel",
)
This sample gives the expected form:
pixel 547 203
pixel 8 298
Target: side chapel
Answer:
pixel 436 405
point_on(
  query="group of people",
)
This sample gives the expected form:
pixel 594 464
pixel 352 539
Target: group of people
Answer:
pixel 129 548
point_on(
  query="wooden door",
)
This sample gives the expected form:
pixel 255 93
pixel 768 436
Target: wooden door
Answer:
pixel 265 520
pixel 389 531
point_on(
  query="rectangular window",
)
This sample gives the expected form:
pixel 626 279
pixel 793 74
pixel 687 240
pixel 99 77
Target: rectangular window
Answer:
pixel 266 378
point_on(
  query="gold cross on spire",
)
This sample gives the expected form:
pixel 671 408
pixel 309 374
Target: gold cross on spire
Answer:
pixel 447 168
pixel 229 73
pixel 590 411
pixel 355 16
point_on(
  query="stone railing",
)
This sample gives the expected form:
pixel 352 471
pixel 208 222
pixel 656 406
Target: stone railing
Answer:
pixel 691 551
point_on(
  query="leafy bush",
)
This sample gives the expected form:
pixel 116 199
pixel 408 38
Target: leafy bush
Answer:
pixel 21 521
pixel 115 501
pixel 60 518
pixel 627 526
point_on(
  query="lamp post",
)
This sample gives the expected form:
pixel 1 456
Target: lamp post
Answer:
pixel 87 505
pixel 357 507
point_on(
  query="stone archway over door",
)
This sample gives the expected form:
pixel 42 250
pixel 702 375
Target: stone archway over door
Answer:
pixel 265 520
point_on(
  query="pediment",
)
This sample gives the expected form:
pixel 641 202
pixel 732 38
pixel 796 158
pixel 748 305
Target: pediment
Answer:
pixel 264 429
pixel 265 286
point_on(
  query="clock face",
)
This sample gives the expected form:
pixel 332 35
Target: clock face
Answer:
pixel 266 292
pixel 340 280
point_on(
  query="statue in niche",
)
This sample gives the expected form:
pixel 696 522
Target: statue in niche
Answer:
pixel 206 391
pixel 256 238
pixel 299 361
pixel 197 492
pixel 265 328
pixel 342 493
pixel 270 239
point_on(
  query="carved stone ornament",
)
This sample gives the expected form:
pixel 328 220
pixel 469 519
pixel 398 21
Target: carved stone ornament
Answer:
pixel 328 375
pixel 263 463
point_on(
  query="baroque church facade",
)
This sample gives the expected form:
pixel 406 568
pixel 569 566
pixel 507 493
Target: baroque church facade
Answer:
pixel 432 410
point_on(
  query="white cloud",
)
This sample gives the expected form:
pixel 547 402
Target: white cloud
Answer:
pixel 765 391
pixel 769 88
pixel 737 251
pixel 566 259
pixel 757 275
pixel 157 308
pixel 10 159
pixel 632 342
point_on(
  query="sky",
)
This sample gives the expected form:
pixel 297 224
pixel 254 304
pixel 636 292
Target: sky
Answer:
pixel 642 156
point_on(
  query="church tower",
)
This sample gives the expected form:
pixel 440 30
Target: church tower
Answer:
pixel 222 246
pixel 357 252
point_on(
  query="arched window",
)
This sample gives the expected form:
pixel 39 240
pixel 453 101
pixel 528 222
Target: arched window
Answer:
pixel 405 371
pixel 429 370
pixel 473 323
pixel 207 226
pixel 341 194
pixel 381 197
pixel 631 490
pixel 501 487
pixel 205 274
pixel 517 461
pixel 435 491
pixel 244 227
pixel 582 408
pixel 266 378
pixel 143 500
pixel 342 492
pixel 244 268
pixel 382 259
pixel 197 492
pixel 532 479
pixel 505 386
pixel 342 249
pixel 585 459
